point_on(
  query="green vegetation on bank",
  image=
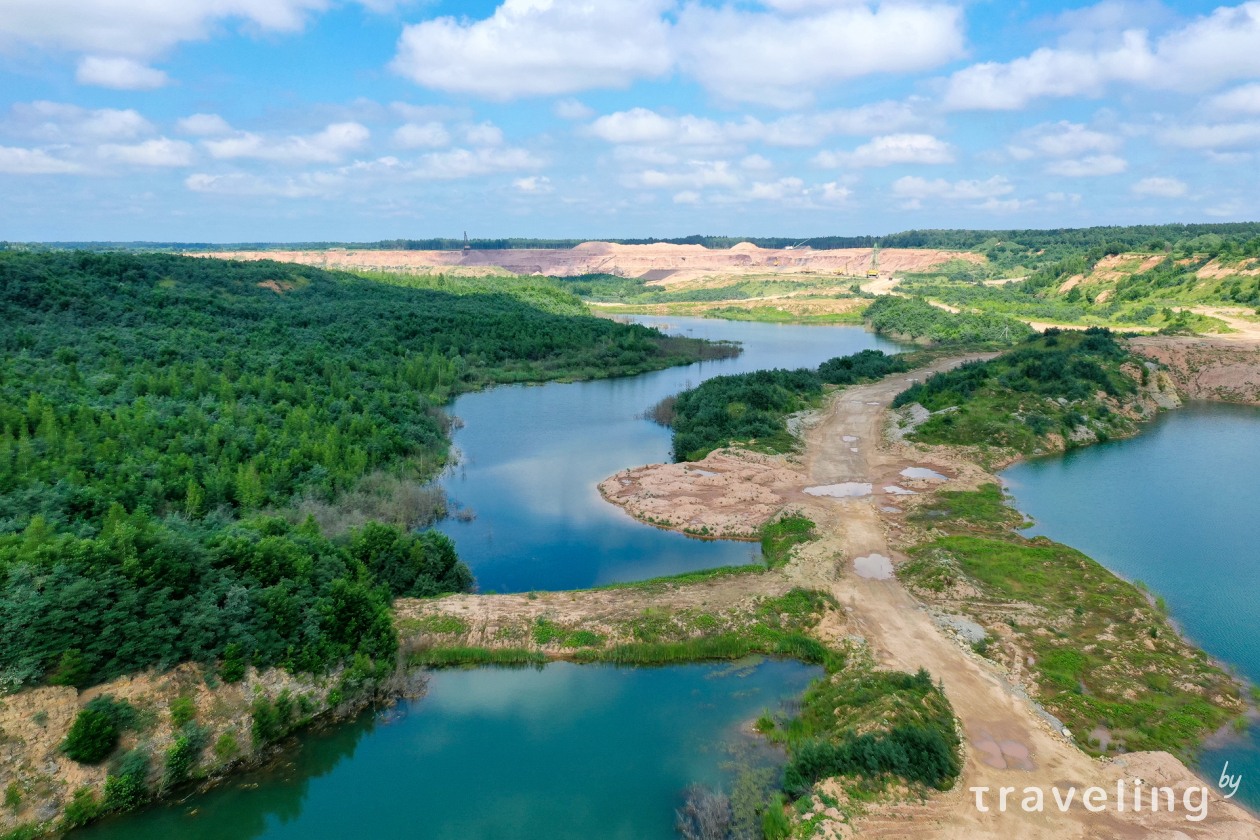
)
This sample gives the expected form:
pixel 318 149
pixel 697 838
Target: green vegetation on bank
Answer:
pixel 153 407
pixel 917 320
pixel 1066 383
pixel 1100 656
pixel 753 406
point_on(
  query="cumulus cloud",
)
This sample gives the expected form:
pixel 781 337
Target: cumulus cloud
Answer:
pixel 643 126
pixel 835 193
pixel 484 134
pixel 756 163
pixel 413 135
pixel 775 57
pixel 245 184
pixel 687 197
pixel 1212 137
pixel 912 186
pixel 1204 53
pixel 203 125
pixel 534 184
pixel 465 163
pixel 776 190
pixel 328 146
pixel 1159 187
pixel 1062 139
pixel 57 122
pixel 778 60
pixel 140 28
pixel 158 152
pixel 699 174
pixel 1245 98
pixel 571 109
pixel 539 47
pixel 1091 166
pixel 119 73
pixel 889 150
pixel 15 161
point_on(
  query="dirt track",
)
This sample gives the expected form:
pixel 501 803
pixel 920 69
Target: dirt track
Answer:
pixel 999 726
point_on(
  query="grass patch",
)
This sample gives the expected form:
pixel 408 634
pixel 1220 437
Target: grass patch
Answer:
pixel 685 578
pixel 779 537
pixel 981 509
pixel 1102 654
pixel 447 657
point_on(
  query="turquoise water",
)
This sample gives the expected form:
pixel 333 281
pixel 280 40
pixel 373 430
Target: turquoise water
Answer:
pixel 534 455
pixel 1177 507
pixel 567 752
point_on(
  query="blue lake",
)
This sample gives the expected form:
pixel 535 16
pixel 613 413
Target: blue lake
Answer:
pixel 534 455
pixel 1177 507
pixel 566 752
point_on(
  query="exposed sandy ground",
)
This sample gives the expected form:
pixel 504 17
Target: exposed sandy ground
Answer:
pixel 660 262
pixel 1217 368
pixel 731 493
pixel 792 304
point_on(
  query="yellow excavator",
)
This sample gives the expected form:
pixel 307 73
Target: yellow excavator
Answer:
pixel 873 272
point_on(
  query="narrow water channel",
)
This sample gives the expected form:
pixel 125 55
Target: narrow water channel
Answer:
pixel 534 456
pixel 1178 508
pixel 566 752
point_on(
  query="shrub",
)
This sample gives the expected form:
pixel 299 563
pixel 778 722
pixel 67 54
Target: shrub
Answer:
pixel 233 669
pixel 92 737
pixel 82 808
pixel 182 710
pixel 72 670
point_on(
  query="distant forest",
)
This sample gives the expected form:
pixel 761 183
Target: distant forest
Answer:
pixel 1060 240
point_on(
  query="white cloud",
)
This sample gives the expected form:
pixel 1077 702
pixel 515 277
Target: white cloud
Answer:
pixel 16 161
pixel 645 155
pixel 1223 136
pixel 551 47
pixel 779 60
pixel 534 184
pixel 1160 187
pixel 1206 52
pixel 835 193
pixel 889 150
pixel 916 188
pixel 1062 139
pixel 1245 98
pixel 485 134
pixel 328 146
pixel 413 135
pixel 158 152
pixel 242 184
pixel 1091 166
pixel 687 197
pixel 203 125
pixel 571 109
pixel 640 125
pixel 776 190
pixel 57 122
pixel 701 174
pixel 119 73
pixel 462 163
pixel 756 163
pixel 134 28
pixel 539 47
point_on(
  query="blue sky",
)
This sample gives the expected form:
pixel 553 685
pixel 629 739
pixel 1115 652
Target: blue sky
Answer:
pixel 299 120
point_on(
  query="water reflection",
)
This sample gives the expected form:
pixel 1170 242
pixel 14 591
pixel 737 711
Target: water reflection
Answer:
pixel 566 752
pixel 535 454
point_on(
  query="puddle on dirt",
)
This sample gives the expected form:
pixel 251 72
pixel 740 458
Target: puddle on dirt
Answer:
pixel 873 566
pixel 836 491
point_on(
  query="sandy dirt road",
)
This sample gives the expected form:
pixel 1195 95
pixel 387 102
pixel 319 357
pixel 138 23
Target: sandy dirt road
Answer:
pixel 1008 745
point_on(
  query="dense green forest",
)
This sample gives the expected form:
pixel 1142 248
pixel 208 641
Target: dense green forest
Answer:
pixel 1049 385
pixel 752 406
pixel 152 406
pixel 918 320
